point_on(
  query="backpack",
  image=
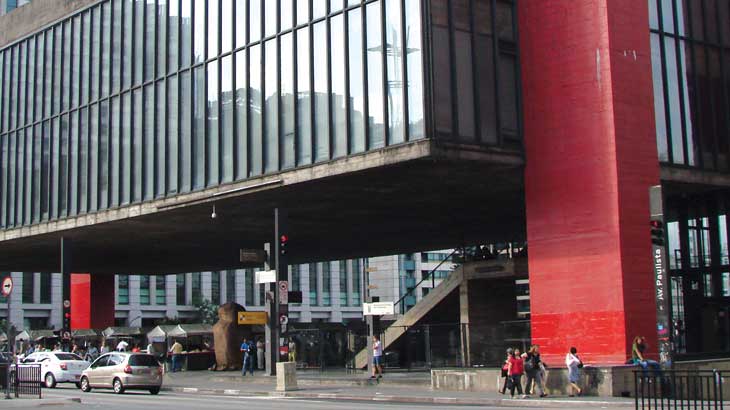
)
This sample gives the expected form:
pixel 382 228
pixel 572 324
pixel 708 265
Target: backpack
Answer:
pixel 529 364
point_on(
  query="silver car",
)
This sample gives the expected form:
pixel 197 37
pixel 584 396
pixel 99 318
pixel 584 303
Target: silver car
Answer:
pixel 123 371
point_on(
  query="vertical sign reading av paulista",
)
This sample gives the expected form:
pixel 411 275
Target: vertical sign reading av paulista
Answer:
pixel 661 281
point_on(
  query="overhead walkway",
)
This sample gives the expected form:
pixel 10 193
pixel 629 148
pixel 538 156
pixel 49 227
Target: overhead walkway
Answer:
pixel 483 269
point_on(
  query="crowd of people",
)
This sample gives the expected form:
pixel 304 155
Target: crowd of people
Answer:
pixel 530 365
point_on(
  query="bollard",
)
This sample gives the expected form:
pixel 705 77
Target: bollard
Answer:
pixel 286 376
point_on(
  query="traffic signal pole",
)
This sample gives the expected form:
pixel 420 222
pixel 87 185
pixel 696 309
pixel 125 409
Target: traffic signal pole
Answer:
pixel 661 279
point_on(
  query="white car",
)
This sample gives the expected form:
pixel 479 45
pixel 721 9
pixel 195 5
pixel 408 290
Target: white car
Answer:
pixel 58 367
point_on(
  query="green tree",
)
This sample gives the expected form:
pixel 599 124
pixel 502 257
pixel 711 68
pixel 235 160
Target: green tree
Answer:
pixel 207 312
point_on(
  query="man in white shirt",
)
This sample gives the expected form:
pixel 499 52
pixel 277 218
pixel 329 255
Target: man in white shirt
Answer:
pixel 122 346
pixel 377 358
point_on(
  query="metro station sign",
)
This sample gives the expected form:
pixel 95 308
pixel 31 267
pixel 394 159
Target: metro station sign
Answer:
pixel 252 318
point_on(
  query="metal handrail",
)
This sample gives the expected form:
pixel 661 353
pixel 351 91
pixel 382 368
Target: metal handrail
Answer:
pixel 430 274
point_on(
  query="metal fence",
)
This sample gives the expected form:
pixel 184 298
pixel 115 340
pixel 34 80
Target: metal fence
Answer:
pixel 679 389
pixel 24 380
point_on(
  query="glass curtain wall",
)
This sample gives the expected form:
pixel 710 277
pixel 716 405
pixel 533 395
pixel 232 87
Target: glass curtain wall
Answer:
pixel 690 45
pixel 474 71
pixel 697 232
pixel 131 100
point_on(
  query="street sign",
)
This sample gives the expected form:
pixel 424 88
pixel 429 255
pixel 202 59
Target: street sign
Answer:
pixel 252 318
pixel 66 335
pixel 67 303
pixel 265 276
pixel 283 319
pixel 252 256
pixel 7 286
pixel 283 292
pixel 378 308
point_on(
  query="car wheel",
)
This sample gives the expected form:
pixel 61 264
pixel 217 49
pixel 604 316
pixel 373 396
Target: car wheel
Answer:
pixel 155 390
pixel 85 386
pixel 50 380
pixel 118 386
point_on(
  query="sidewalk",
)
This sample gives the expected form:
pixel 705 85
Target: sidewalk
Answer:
pixel 30 403
pixel 395 388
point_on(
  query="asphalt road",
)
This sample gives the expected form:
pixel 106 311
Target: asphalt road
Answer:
pixel 107 400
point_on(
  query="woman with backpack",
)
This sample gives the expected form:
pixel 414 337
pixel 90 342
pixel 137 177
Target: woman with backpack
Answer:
pixel 534 371
pixel 574 365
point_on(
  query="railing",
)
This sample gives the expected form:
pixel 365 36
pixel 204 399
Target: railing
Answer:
pixel 24 380
pixel 658 389
pixel 426 277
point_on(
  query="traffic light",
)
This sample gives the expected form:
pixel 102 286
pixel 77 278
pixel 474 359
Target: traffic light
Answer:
pixel 282 244
pixel 283 241
pixel 657 232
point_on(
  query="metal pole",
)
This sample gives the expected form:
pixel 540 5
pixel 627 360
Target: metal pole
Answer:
pixel 368 318
pixel 7 369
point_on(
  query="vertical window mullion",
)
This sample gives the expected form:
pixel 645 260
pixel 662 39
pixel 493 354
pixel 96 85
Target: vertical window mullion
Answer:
pixel 366 93
pixel 295 83
pixel 495 59
pixel 384 69
pixel 348 126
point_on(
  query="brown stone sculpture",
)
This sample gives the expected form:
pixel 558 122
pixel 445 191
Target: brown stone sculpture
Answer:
pixel 228 335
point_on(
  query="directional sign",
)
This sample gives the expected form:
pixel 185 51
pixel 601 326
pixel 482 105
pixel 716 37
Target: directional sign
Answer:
pixel 252 318
pixel 378 308
pixel 265 276
pixel 7 286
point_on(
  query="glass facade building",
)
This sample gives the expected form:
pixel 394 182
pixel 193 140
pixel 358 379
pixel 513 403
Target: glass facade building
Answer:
pixel 690 44
pixel 129 101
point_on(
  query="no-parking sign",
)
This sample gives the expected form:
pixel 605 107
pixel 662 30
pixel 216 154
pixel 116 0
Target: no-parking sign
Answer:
pixel 7 286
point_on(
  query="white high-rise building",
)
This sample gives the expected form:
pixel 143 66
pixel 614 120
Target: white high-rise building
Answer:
pixel 331 291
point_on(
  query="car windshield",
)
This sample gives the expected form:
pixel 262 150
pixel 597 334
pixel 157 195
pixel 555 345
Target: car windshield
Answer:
pixel 143 360
pixel 67 356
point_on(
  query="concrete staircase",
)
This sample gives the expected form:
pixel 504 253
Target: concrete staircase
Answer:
pixel 416 313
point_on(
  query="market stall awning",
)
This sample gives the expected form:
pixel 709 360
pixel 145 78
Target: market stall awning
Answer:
pixel 85 334
pixel 159 333
pixel 115 332
pixel 190 330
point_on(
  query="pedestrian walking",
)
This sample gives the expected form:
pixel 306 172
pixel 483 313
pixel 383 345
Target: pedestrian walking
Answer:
pixel 534 371
pixel 515 369
pixel 260 354
pixel 505 373
pixel 377 358
pixel 176 351
pixel 247 357
pixel 292 350
pixel 574 365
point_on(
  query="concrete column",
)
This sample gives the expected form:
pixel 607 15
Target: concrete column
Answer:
pixel 153 289
pixel 240 287
pixel 224 284
pixel 348 273
pixel 464 321
pixel 134 284
pixel 336 315
pixel 320 284
pixel 188 288
pixel 206 278
pixel 36 287
pixel 16 300
pixel 589 134
pixel 171 296
pixel 56 301
pixel 304 274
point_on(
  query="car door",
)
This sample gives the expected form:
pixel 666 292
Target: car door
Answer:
pixel 96 370
pixel 113 367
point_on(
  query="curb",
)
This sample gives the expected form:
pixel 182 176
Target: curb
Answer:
pixel 23 403
pixel 543 403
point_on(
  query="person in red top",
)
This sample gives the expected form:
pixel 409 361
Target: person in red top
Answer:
pixel 515 369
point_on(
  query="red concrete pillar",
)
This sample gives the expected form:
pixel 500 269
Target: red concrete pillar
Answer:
pixel 591 157
pixel 92 301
